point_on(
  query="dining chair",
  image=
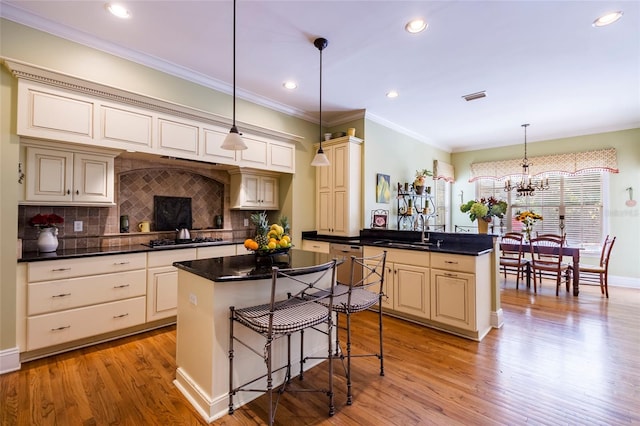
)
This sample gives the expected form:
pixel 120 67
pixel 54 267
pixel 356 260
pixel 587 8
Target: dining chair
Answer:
pixel 546 257
pixel 560 237
pixel 308 304
pixel 512 259
pixel 358 295
pixel 598 273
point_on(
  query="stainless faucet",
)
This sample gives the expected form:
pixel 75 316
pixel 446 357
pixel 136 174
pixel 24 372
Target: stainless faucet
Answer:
pixel 422 236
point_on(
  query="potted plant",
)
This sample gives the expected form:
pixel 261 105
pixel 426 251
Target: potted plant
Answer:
pixel 484 210
pixel 420 181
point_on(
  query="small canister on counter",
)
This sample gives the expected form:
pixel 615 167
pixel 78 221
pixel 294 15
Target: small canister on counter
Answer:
pixel 124 223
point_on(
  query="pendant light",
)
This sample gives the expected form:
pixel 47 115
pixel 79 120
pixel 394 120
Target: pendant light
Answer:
pixel 234 141
pixel 320 160
pixel 526 186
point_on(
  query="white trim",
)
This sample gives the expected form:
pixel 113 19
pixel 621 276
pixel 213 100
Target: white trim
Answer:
pixel 497 318
pixel 628 282
pixel 405 131
pixel 9 360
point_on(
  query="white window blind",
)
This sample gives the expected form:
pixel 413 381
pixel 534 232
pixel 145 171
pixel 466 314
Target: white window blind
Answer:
pixel 581 196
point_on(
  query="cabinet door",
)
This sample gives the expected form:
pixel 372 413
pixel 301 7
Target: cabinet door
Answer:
pixel 251 187
pixel 49 175
pixel 453 298
pixel 411 290
pixel 268 192
pixel 162 292
pixel 93 178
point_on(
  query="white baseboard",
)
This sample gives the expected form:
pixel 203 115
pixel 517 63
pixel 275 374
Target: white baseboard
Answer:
pixel 9 360
pixel 629 282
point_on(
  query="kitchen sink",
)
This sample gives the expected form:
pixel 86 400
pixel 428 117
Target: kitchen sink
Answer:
pixel 405 245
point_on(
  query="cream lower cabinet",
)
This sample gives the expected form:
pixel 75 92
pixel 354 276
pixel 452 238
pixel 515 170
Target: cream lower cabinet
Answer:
pixel 55 175
pixel 71 299
pixel 407 287
pixel 162 282
pixel 162 277
pixel 315 246
pixel 459 297
pixel 446 291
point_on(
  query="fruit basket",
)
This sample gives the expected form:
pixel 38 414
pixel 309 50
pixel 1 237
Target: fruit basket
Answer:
pixel 269 240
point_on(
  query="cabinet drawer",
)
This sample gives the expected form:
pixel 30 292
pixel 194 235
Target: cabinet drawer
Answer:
pixel 167 257
pixel 68 268
pixel 453 262
pixel 61 327
pixel 317 246
pixel 51 296
pixel 407 257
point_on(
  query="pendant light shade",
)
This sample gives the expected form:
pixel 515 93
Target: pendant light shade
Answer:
pixel 234 141
pixel 320 160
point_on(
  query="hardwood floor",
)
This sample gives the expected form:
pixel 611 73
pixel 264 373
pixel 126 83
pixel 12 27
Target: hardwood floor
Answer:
pixel 557 360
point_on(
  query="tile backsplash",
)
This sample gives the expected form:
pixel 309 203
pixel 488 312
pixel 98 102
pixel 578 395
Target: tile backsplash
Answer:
pixel 137 180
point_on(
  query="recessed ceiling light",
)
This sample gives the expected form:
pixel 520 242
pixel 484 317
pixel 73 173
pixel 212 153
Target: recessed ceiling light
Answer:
pixel 290 85
pixel 118 10
pixel 607 19
pixel 416 26
pixel 392 94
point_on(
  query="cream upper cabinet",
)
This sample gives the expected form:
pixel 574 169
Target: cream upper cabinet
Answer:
pixel 55 114
pixel 68 177
pixel 255 189
pixel 339 188
pixel 116 121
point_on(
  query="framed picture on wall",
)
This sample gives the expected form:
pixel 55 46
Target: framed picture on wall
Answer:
pixel 383 188
pixel 379 219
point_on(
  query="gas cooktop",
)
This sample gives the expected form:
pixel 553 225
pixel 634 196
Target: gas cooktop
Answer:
pixel 168 243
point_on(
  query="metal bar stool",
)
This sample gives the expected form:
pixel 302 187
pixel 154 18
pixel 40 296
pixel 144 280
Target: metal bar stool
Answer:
pixel 282 318
pixel 356 296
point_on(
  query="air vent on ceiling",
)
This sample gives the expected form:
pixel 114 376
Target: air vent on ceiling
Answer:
pixel 474 96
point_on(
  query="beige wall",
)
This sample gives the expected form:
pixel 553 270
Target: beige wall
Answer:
pixel 624 222
pixel 395 154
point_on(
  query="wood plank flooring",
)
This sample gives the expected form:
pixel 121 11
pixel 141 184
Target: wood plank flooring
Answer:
pixel 556 361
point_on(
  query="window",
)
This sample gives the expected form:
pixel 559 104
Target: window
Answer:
pixel 580 196
pixel 442 196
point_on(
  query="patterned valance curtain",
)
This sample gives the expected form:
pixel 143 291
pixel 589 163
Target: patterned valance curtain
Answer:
pixel 567 164
pixel 442 170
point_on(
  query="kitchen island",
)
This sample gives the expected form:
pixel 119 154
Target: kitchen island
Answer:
pixel 206 290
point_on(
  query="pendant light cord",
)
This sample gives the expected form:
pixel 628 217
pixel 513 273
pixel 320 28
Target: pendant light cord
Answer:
pixel 320 105
pixel 234 63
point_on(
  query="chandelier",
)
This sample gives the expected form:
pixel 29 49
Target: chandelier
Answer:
pixel 526 186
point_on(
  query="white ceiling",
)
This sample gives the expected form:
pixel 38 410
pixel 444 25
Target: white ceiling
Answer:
pixel 541 62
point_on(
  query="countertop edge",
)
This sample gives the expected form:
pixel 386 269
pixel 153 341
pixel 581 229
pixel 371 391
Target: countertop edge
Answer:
pixel 97 251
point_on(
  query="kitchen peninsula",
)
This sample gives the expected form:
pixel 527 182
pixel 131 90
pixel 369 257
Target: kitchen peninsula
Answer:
pixel 206 290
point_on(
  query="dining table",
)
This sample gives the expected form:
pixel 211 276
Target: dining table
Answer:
pixel 569 251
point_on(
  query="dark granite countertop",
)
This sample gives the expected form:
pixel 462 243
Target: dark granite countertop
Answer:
pixel 451 243
pixel 34 256
pixel 250 267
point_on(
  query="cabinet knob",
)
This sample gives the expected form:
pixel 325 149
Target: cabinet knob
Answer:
pixel 77 192
pixel 68 191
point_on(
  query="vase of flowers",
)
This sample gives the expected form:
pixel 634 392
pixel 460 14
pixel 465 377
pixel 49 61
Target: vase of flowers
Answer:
pixel 528 219
pixel 484 210
pixel 48 231
pixel 420 181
